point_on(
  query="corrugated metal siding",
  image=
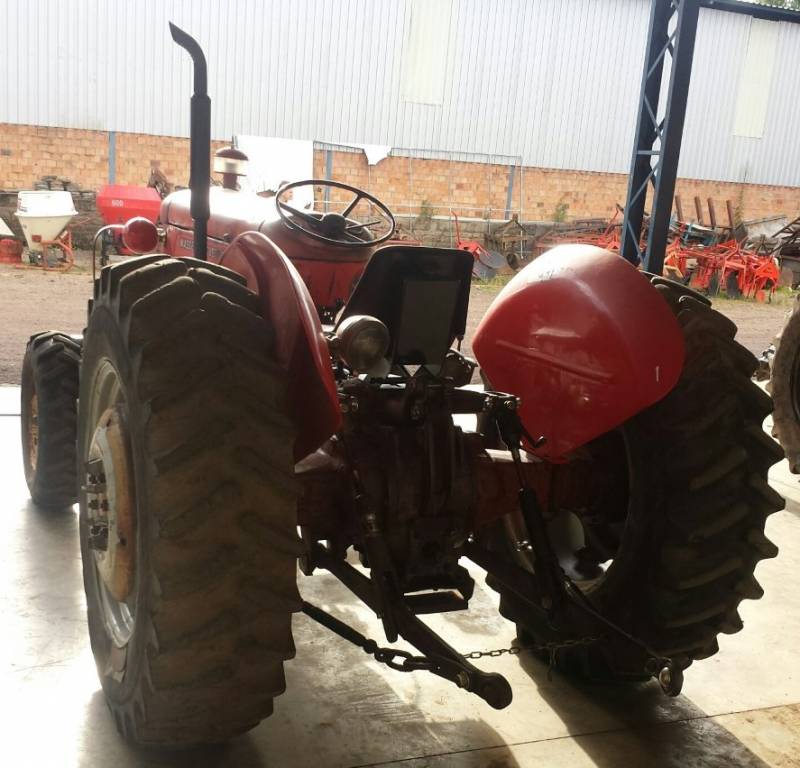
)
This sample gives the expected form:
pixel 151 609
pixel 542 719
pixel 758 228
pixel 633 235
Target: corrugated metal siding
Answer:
pixel 553 81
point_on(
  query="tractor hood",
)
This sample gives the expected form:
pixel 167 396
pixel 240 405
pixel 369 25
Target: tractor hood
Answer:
pixel 231 212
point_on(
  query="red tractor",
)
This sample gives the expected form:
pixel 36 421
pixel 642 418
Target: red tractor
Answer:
pixel 277 388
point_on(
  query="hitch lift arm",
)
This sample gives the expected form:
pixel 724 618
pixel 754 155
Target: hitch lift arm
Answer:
pixel 443 660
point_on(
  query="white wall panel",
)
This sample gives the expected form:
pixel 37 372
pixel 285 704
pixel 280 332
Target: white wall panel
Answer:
pixel 553 81
pixel 425 51
pixel 755 78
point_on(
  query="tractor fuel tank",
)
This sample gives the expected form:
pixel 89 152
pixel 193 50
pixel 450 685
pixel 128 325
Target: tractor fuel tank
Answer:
pixel 584 340
pixel 329 272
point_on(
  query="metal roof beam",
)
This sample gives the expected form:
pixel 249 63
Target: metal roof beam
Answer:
pixel 756 10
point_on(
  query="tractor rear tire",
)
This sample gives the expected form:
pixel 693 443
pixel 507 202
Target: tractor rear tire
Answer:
pixel 695 503
pixel 183 409
pixel 49 404
pixel 784 385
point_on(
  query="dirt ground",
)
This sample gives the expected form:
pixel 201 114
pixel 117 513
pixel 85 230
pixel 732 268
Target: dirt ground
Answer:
pixel 32 300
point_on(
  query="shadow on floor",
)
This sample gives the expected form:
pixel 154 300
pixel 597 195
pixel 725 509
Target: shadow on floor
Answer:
pixel 102 746
pixel 654 731
pixel 381 715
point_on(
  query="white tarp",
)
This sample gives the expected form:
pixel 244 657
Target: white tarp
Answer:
pixel 273 161
pixel 4 230
pixel 374 152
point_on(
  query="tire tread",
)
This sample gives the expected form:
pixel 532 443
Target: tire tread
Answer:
pixel 220 615
pixel 51 367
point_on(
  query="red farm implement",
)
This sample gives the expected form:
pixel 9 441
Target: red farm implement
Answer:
pixel 708 265
pixel 117 204
pixel 728 267
pixel 594 232
pixel 485 263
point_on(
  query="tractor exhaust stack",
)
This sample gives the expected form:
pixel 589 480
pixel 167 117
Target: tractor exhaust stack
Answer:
pixel 200 147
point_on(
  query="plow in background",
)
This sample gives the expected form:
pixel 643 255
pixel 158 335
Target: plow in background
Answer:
pixel 711 260
pixel 727 266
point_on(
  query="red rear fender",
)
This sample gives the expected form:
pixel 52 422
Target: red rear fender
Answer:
pixel 584 340
pixel 299 342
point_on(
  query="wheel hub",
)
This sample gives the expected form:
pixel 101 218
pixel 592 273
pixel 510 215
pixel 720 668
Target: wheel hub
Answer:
pixel 111 506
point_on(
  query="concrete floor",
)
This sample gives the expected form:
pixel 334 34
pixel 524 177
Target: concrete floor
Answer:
pixel 740 708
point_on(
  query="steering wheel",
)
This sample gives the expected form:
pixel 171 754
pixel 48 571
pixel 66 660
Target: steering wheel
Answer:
pixel 335 228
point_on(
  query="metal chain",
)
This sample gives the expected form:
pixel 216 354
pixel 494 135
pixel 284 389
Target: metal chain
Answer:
pixel 408 663
pixel 549 648
pixel 403 661
pixel 397 659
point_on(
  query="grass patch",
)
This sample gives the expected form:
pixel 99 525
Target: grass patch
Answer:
pixel 494 284
pixel 781 297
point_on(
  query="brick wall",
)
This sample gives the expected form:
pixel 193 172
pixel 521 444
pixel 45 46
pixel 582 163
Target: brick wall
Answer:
pixel 136 153
pixel 406 184
pixel 480 189
pixel 29 152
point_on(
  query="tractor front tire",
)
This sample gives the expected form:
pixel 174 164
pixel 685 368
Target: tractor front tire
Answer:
pixel 188 502
pixel 49 404
pixel 694 498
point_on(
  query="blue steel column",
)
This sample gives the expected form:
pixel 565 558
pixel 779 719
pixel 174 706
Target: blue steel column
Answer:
pixel 112 157
pixel 657 143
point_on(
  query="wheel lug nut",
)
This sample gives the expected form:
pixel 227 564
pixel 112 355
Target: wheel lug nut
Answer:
pixel 98 536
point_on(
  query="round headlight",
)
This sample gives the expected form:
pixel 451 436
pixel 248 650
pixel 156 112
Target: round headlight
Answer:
pixel 140 235
pixel 362 342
